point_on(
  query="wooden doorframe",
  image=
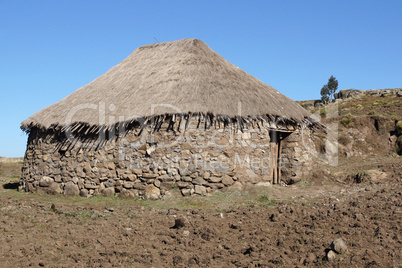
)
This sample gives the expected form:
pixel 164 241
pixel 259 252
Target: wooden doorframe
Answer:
pixel 276 150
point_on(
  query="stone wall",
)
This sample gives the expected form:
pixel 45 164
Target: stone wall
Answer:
pixel 150 163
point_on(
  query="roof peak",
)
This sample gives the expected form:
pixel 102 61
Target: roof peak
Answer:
pixel 183 76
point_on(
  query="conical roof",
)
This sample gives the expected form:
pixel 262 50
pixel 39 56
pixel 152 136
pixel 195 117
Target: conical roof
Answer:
pixel 184 76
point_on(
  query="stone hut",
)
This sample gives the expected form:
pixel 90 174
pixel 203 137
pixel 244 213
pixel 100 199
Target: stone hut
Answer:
pixel 171 115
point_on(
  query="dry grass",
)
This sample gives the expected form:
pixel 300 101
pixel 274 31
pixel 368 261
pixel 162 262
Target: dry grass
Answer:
pixel 180 77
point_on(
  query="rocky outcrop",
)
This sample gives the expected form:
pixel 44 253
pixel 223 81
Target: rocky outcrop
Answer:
pixel 355 93
pixel 348 93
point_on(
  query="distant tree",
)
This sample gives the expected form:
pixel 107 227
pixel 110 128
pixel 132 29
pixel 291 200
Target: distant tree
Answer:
pixel 325 93
pixel 329 89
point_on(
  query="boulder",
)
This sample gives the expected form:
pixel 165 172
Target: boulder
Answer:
pixel 263 184
pixel 152 192
pixel 385 93
pixel 108 192
pixel 71 189
pixel 214 179
pixel 227 180
pixel 373 92
pixel 186 192
pixel 202 190
pixel 199 181
pixel 127 194
pixel 236 186
pixel 84 192
pixel 348 93
pixel 54 188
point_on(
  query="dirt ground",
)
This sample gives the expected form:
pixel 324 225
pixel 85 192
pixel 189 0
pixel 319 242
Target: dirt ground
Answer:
pixel 358 200
pixel 258 227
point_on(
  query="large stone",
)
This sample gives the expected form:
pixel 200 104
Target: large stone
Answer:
pixel 128 185
pixel 182 184
pixel 221 169
pixel 348 93
pixel 186 192
pixel 111 165
pixel 202 190
pixel 84 192
pixel 54 188
pixel 137 171
pixel 339 246
pixel 373 92
pixel 214 179
pixel 222 141
pixel 385 92
pixel 152 192
pixel 236 186
pixel 71 189
pixel 149 175
pixel 227 180
pixel 199 181
pixel 127 194
pixel 45 181
pixel 263 184
pixel 167 185
pixel 108 192
pixel 247 175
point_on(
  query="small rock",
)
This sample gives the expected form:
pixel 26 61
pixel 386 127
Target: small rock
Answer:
pixel 186 233
pixel 339 246
pixel 331 255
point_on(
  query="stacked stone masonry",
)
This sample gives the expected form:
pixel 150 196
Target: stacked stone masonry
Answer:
pixel 149 163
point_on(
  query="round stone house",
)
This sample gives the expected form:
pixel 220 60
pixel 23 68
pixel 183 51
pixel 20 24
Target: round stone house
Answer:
pixel 171 115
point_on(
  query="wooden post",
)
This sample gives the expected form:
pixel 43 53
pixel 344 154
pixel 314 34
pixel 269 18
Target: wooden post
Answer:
pixel 275 162
pixel 279 157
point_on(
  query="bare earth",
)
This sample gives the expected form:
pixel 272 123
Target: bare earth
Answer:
pixel 257 227
pixel 272 227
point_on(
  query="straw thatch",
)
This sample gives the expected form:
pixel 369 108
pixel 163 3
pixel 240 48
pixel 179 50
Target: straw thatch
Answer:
pixel 182 77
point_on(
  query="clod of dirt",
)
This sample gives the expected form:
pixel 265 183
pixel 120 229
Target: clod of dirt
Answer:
pixel 179 223
pixel 53 208
pixel 339 246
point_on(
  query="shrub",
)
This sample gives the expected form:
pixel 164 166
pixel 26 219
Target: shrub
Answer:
pixel 399 145
pixel 323 112
pixel 399 127
pixel 344 140
pixel 345 121
pixel 371 112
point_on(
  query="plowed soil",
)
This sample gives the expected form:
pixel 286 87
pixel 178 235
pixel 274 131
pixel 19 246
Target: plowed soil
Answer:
pixel 258 227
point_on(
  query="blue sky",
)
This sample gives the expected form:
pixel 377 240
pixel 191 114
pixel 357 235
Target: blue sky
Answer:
pixel 51 48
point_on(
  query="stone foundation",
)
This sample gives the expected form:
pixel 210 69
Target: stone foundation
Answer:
pixel 148 163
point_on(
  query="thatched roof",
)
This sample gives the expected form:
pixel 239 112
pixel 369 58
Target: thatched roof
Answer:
pixel 179 77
